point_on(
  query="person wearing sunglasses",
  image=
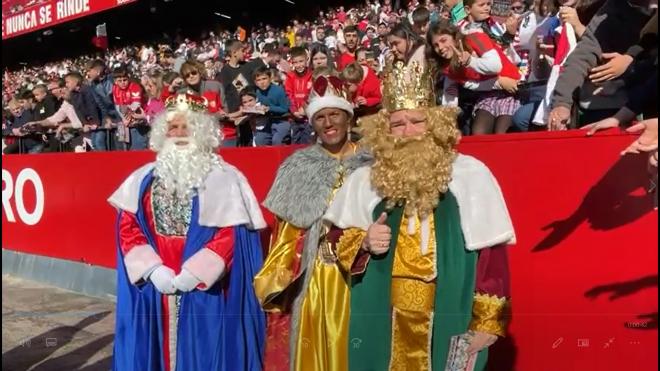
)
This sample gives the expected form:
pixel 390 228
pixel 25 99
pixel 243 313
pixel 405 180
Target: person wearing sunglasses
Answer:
pixel 193 73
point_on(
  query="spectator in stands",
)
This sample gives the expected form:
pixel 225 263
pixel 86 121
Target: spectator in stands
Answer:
pixel 101 82
pixel 18 127
pixel 614 29
pixel 300 40
pixel 67 125
pixel 82 99
pixel 129 99
pixel 235 76
pixel 640 81
pixel 363 88
pixel 271 57
pixel 361 56
pixel 45 103
pixel 250 118
pixel 192 73
pixel 155 102
pixel 351 43
pixel 406 46
pixel 56 88
pixel 421 18
pixel 277 132
pixel 172 83
pixel 320 34
pixel 26 100
pixel 488 68
pixel 298 85
pixel 320 57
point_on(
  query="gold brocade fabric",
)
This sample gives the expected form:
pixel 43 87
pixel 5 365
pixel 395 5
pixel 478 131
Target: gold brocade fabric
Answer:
pixel 323 336
pixel 413 298
pixel 348 247
pixel 409 262
pixel 488 314
pixel 411 340
pixel 277 272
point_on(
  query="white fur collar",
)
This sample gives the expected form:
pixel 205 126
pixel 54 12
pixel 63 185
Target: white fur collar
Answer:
pixel 226 199
pixel 485 219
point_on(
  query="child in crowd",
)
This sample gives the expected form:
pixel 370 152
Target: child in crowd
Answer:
pixel 363 87
pixel 129 99
pixel 297 85
pixel 476 17
pixel 489 70
pixel 273 97
pixel 249 118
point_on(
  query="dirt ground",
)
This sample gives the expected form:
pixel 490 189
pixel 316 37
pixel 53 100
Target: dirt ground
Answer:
pixel 46 328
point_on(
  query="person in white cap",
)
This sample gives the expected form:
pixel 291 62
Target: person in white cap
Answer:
pixel 300 283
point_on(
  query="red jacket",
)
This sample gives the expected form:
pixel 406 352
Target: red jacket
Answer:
pixel 126 97
pixel 297 88
pixel 369 88
pixel 344 60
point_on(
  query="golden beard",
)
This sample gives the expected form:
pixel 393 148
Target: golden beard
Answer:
pixel 413 171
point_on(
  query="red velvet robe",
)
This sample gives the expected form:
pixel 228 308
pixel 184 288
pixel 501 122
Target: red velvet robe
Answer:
pixel 170 250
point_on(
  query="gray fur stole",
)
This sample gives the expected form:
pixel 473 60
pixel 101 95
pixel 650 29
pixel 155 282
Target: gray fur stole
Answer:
pixel 300 195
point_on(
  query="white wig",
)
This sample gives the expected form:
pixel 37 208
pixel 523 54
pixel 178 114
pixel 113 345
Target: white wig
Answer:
pixel 203 129
pixel 184 168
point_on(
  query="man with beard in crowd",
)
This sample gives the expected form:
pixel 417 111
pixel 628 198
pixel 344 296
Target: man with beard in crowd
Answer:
pixel 301 283
pixel 188 248
pixel 423 230
pixel 348 55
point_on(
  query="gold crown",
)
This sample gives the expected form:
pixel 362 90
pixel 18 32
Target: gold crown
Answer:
pixel 185 101
pixel 407 87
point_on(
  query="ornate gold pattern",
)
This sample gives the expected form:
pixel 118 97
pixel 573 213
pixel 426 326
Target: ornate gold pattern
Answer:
pixel 413 299
pixel 411 340
pixel 409 262
pixel 407 87
pixel 348 247
pixel 488 314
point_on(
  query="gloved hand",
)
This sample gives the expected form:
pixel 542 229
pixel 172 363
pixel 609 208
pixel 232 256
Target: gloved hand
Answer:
pixel 163 278
pixel 185 281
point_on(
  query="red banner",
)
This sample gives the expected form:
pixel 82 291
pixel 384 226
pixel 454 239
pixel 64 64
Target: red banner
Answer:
pixel 19 19
pixel 584 271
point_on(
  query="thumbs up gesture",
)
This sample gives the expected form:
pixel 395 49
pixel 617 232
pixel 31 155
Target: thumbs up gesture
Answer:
pixel 378 237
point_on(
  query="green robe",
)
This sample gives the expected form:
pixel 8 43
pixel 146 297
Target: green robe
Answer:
pixel 371 315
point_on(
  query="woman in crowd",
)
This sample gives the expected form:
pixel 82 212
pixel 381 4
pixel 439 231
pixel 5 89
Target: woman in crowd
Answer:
pixel 320 57
pixel 490 72
pixel 153 85
pixel 405 46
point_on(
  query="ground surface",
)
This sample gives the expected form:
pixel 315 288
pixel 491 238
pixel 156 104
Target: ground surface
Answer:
pixel 45 328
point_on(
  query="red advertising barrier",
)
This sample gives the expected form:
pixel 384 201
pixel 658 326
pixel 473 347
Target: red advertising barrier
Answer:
pixel 49 13
pixel 584 271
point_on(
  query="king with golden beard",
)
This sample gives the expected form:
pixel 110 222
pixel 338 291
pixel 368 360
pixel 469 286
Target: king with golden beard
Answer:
pixel 424 235
pixel 413 151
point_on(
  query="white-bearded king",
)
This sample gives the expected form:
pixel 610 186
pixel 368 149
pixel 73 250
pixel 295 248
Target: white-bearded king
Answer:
pixel 188 248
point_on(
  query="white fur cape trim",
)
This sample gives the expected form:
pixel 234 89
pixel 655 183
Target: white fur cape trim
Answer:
pixel 225 200
pixel 485 219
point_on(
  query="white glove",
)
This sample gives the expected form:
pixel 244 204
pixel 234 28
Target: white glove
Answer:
pixel 163 278
pixel 185 281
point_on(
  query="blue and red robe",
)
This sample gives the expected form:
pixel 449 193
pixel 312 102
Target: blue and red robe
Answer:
pixel 219 327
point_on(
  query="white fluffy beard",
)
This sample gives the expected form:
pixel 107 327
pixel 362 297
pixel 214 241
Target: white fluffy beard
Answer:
pixel 183 167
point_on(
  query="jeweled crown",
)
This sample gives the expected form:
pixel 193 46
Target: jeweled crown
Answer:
pixel 407 87
pixel 184 102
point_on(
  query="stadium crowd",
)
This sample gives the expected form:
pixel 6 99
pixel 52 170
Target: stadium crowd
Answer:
pixel 511 66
